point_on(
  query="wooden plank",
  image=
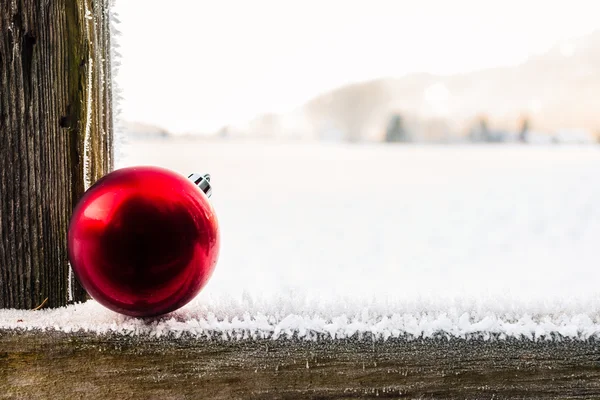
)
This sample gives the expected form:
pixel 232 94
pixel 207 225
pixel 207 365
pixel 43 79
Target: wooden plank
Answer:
pixel 59 365
pixel 55 136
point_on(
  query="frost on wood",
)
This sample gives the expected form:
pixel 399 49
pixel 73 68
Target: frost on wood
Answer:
pixel 224 319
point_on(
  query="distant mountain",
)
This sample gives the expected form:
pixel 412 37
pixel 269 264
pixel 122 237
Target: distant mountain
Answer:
pixel 556 90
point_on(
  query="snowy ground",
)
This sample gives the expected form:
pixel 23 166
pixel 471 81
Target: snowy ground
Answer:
pixel 389 240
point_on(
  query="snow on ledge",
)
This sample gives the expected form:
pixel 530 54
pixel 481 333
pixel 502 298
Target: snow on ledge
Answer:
pixel 201 323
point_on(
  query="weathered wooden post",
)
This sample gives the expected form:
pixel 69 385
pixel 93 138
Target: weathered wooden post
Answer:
pixel 55 138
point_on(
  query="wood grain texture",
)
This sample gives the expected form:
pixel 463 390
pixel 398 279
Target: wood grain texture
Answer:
pixel 55 137
pixel 57 365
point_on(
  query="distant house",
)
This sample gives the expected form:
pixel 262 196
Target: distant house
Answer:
pixel 574 136
pixel 331 133
pixel 538 137
pixel 563 136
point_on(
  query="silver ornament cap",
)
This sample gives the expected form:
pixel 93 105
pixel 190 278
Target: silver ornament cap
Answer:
pixel 203 182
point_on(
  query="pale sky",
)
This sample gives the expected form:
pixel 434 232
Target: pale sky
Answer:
pixel 195 65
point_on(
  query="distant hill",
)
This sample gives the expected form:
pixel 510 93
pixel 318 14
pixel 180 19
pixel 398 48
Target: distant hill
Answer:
pixel 556 90
pixel 142 131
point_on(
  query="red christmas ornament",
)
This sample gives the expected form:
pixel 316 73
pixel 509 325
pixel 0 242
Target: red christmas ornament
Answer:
pixel 143 241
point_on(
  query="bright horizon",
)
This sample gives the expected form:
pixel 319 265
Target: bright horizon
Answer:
pixel 195 66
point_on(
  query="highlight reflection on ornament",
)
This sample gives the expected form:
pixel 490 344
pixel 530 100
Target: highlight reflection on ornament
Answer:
pixel 143 241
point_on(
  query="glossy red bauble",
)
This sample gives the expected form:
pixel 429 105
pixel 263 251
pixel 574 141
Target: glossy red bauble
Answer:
pixel 143 241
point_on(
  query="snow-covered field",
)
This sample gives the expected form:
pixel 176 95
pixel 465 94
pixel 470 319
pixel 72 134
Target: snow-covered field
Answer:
pixel 338 240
